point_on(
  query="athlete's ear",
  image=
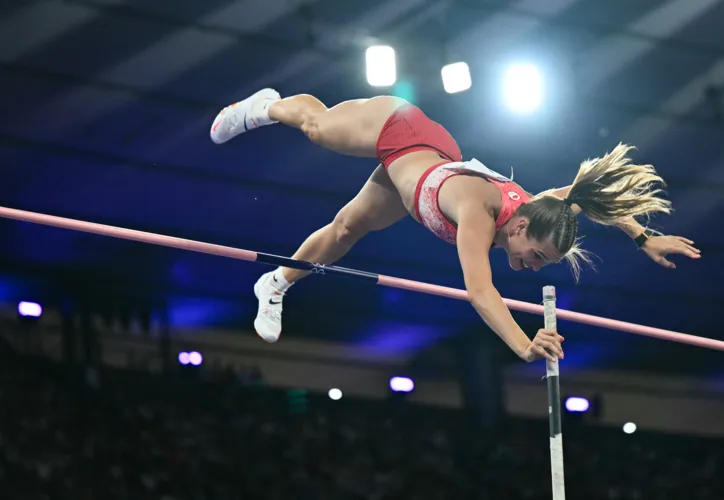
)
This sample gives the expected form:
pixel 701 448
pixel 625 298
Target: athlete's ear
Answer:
pixel 521 225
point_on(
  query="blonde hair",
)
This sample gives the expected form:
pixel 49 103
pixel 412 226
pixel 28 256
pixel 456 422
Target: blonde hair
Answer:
pixel 612 188
pixel 607 190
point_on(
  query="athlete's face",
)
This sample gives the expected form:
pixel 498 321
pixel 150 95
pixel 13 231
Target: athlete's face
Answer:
pixel 528 253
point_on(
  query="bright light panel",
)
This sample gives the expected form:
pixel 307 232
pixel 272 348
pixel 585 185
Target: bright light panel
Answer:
pixel 523 88
pixel 456 77
pixel 576 404
pixel 31 309
pixel 401 384
pixel 381 66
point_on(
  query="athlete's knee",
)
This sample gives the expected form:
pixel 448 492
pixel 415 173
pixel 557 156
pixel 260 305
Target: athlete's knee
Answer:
pixel 310 125
pixel 348 228
pixel 309 111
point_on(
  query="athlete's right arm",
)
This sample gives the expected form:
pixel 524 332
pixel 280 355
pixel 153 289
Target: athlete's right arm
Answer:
pixel 476 230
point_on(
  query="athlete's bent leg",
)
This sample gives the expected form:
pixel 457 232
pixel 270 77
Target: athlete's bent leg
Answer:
pixel 377 206
pixel 351 128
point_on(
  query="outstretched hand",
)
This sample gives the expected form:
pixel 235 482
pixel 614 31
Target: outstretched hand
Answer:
pixel 546 344
pixel 658 247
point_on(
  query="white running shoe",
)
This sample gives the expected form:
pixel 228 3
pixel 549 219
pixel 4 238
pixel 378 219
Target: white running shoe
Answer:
pixel 240 117
pixel 268 322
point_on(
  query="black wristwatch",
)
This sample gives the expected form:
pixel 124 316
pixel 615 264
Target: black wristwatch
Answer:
pixel 643 237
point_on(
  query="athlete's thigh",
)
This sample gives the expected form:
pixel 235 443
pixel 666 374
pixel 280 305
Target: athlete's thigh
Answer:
pixel 378 204
pixel 353 127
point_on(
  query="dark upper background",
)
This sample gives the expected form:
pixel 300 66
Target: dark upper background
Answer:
pixel 106 106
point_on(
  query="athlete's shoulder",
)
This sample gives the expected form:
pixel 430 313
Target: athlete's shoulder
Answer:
pixel 476 167
pixel 474 193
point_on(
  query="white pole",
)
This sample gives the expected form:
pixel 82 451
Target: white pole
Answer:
pixel 554 401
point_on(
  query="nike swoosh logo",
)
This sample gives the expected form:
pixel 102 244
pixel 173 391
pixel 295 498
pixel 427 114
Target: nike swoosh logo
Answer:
pixel 274 303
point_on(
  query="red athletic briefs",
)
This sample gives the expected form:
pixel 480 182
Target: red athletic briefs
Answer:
pixel 409 130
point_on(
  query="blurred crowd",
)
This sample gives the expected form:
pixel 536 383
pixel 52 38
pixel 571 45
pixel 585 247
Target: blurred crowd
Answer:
pixel 74 434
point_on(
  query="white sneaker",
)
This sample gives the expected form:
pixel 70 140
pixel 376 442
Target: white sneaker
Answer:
pixel 268 322
pixel 240 117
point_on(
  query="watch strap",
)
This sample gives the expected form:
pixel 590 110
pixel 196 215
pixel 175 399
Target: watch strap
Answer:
pixel 643 237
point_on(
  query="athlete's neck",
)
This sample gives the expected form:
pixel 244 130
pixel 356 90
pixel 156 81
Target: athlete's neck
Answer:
pixel 502 236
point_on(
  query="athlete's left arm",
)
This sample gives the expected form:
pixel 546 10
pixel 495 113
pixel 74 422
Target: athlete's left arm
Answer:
pixel 657 247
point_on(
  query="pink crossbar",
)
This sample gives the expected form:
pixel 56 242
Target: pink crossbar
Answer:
pixel 389 281
pixel 575 317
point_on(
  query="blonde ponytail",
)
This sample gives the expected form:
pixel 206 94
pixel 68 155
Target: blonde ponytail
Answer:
pixel 612 188
pixel 607 190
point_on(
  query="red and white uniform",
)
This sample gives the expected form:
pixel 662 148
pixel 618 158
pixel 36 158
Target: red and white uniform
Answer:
pixel 427 206
pixel 407 130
